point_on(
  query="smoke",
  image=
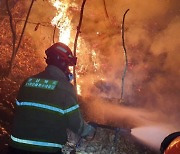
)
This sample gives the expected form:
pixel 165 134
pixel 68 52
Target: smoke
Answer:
pixel 152 41
pixel 151 83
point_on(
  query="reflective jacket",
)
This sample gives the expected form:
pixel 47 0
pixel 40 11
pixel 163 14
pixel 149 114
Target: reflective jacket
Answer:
pixel 45 107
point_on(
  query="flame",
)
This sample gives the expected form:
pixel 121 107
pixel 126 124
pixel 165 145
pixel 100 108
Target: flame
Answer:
pixel 79 89
pixel 63 22
pixel 94 59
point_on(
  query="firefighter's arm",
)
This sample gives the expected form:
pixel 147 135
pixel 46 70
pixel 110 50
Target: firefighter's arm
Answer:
pixel 75 120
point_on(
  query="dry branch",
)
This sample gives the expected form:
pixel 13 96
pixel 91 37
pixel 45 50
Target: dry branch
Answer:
pixel 124 72
pixel 76 39
pixel 125 54
pixel 45 24
pixel 105 9
pixel 15 49
pixel 54 32
pixel 12 29
pixel 24 27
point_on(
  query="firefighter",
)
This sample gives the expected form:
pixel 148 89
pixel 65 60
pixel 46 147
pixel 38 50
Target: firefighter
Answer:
pixel 171 144
pixel 46 107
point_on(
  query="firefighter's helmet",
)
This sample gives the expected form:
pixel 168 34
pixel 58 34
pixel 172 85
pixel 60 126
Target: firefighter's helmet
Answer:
pixel 61 52
pixel 171 144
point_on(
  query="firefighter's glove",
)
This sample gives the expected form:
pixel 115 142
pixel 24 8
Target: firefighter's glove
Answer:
pixel 95 125
pixel 88 132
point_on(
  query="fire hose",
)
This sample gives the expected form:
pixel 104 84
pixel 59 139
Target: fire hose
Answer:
pixel 116 129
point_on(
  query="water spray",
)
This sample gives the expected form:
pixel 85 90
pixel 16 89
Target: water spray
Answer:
pixel 152 136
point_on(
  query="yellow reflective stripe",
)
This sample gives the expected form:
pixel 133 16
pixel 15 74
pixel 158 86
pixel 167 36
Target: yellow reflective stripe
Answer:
pixel 48 107
pixel 37 143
